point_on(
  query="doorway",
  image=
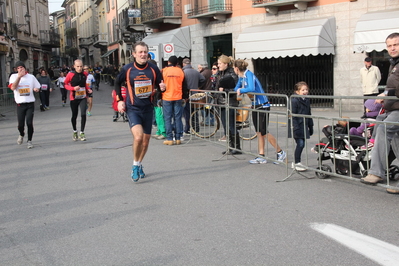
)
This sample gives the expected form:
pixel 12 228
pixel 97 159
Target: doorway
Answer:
pixel 218 45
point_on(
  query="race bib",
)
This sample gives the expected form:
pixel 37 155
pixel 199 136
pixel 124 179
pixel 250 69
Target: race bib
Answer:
pixel 143 88
pixel 44 87
pixel 81 93
pixel 24 90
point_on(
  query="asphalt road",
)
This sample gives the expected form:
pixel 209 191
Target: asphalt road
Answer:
pixel 73 203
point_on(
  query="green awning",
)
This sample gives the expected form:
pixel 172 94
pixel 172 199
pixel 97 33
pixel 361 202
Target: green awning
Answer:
pixel 108 53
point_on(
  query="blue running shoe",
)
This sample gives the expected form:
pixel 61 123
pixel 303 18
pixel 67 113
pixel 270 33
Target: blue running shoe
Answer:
pixel 141 172
pixel 280 157
pixel 135 173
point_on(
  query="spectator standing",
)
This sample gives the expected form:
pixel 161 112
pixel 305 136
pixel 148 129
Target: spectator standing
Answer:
pixel 97 75
pixel 370 78
pixel 302 127
pixel 138 106
pixel 194 81
pixel 226 82
pixel 248 83
pixel 75 82
pixel 23 85
pixel 387 136
pixel 172 101
pixel 207 73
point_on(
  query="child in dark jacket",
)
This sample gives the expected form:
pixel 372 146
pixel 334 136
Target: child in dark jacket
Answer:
pixel 302 127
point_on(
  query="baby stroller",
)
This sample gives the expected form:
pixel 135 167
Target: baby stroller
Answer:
pixel 344 152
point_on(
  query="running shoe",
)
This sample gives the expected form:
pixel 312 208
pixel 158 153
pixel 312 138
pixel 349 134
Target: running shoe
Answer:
pixel 141 172
pixel 88 113
pixel 82 136
pixel 135 173
pixel 281 156
pixel 20 140
pixel 75 136
pixel 258 160
pixel 30 145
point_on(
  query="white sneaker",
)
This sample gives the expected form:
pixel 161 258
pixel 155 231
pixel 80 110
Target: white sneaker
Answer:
pixel 299 167
pixel 258 160
pixel 280 157
pixel 30 145
pixel 20 140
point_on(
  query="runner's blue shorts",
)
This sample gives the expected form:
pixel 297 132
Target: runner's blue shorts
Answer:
pixel 140 116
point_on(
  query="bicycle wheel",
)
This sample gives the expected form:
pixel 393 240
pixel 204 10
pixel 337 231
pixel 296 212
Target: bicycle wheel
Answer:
pixel 204 123
pixel 247 130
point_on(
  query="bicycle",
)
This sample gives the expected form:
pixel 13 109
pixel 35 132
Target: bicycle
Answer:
pixel 206 118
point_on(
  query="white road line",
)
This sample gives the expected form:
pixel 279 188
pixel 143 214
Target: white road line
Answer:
pixel 381 252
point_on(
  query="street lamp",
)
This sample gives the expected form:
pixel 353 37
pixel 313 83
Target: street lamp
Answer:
pixel 27 20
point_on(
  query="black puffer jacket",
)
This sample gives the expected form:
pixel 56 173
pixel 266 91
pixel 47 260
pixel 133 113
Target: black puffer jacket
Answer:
pixel 227 80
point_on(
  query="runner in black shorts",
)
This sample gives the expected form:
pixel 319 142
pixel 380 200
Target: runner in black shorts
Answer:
pixel 142 80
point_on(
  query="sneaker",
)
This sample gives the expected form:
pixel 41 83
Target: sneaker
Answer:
pixel 299 167
pixel 369 146
pixel 75 136
pixel 135 173
pixel 30 145
pixel 141 172
pixel 63 104
pixel 161 137
pixel 281 156
pixel 82 136
pixel 20 140
pixel 88 113
pixel 46 108
pixel 258 160
pixel 186 134
pixel 115 118
pixel 155 136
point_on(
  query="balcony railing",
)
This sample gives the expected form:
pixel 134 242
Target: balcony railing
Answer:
pixel 132 23
pixel 203 7
pixel 49 38
pixel 161 11
pixel 100 40
pixel 85 41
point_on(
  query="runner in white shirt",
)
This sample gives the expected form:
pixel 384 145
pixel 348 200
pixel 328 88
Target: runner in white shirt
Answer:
pixel 23 85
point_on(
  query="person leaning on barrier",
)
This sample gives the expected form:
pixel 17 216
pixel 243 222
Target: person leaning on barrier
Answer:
pixel 227 80
pixel 247 83
pixel 23 85
pixel 387 136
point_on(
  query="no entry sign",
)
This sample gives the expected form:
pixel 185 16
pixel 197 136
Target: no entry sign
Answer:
pixel 168 50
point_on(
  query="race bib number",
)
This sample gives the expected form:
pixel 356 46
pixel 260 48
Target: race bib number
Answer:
pixel 81 93
pixel 24 91
pixel 143 88
pixel 44 87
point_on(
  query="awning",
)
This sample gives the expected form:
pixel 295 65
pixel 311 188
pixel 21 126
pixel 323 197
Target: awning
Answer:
pixel 108 53
pixel 291 38
pixel 179 37
pixel 373 28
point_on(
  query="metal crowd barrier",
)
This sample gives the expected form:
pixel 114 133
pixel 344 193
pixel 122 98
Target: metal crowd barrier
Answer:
pixel 325 157
pixel 7 103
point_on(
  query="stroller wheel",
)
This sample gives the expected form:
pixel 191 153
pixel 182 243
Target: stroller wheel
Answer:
pixel 324 168
pixel 394 172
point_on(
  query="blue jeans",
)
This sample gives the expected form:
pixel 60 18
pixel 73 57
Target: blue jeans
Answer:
pixel 172 114
pixel 300 144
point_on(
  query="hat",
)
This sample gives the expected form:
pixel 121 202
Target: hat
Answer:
pixel 173 60
pixel 186 61
pixel 367 59
pixel 20 63
pixel 372 105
